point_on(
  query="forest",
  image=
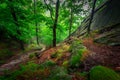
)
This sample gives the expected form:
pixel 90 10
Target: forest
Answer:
pixel 59 40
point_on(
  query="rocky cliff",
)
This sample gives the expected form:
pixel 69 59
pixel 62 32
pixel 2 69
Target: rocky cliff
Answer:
pixel 106 23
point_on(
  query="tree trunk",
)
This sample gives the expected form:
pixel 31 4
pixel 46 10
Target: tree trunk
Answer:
pixel 91 17
pixel 55 22
pixel 36 24
pixel 71 19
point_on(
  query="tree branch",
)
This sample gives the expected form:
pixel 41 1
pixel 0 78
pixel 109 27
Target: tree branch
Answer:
pixel 49 10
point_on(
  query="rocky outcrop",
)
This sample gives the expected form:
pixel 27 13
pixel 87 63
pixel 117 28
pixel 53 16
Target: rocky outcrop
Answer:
pixel 106 22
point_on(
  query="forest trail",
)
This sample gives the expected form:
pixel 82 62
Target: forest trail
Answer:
pixel 102 54
pixel 99 54
pixel 13 63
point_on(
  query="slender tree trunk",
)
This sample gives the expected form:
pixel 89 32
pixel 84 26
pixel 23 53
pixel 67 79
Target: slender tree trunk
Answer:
pixel 71 20
pixel 91 17
pixel 55 22
pixel 17 28
pixel 36 24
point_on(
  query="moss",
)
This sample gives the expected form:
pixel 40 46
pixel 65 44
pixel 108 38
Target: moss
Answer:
pixel 59 73
pixel 65 63
pixel 47 64
pixel 58 54
pixel 63 48
pixel 76 45
pixel 32 55
pixel 75 61
pixel 77 49
pixel 54 55
pixel 103 73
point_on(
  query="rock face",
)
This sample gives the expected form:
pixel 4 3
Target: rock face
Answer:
pixel 106 22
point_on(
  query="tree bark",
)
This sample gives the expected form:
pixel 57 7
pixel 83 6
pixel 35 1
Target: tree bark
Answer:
pixel 36 24
pixel 55 22
pixel 91 17
pixel 71 20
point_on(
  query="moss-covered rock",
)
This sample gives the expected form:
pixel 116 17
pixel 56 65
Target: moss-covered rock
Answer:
pixel 103 73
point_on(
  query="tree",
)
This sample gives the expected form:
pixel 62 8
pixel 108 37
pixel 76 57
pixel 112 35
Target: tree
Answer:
pixel 15 22
pixel 71 18
pixel 22 20
pixel 14 16
pixel 36 23
pixel 76 13
pixel 55 21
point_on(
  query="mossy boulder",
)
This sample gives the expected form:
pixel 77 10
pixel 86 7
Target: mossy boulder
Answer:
pixel 103 73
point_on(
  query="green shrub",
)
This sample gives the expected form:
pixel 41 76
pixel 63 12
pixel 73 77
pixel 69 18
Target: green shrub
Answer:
pixel 77 50
pixel 76 45
pixel 45 71
pixel 30 67
pixel 59 73
pixel 32 55
pixel 75 61
pixel 47 64
pixel 57 54
pixel 65 63
pixel 103 73
pixel 32 71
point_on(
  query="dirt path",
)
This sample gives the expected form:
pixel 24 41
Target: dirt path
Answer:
pixel 17 60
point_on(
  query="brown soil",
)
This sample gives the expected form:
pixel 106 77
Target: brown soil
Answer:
pixel 105 55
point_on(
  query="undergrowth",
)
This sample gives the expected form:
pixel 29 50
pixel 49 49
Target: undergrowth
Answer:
pixel 77 50
pixel 4 54
pixel 50 70
pixel 32 71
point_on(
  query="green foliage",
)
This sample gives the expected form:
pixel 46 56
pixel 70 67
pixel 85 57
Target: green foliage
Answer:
pixel 47 64
pixel 29 67
pixel 59 73
pixel 8 23
pixel 54 55
pixel 57 54
pixel 83 74
pixel 77 50
pixel 32 55
pixel 28 71
pixel 75 46
pixel 103 73
pixel 65 63
pixel 17 20
pixel 45 71
pixel 75 60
